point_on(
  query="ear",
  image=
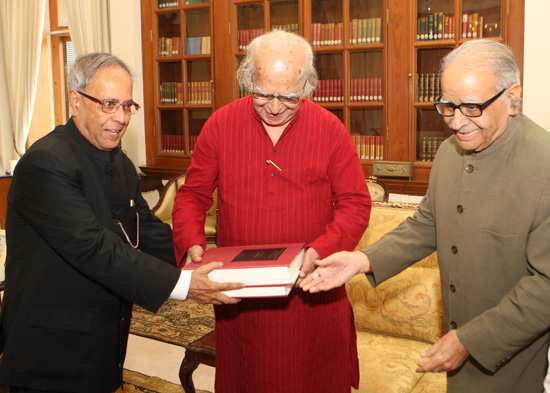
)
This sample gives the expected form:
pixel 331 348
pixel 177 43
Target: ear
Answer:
pixel 74 101
pixel 514 94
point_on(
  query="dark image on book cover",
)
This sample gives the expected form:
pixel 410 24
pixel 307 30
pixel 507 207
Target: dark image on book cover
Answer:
pixel 264 254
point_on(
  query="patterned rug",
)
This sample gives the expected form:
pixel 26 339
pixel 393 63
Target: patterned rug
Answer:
pixel 176 322
pixel 135 382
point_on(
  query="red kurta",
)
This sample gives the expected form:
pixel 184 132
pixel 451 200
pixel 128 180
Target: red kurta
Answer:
pixel 303 343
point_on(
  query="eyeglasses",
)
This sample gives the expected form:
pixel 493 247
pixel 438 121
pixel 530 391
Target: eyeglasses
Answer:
pixel 468 109
pixel 293 99
pixel 111 106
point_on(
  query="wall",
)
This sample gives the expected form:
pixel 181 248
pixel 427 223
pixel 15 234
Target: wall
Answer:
pixel 126 43
pixel 125 25
pixel 536 79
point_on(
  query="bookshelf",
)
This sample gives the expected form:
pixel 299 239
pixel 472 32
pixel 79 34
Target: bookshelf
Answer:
pixel 378 63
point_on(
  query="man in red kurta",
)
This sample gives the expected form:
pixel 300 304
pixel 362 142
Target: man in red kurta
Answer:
pixel 286 171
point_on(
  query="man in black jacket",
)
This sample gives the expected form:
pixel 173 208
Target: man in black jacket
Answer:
pixel 83 246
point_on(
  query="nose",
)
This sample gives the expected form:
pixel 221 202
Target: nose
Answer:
pixel 458 120
pixel 120 116
pixel 275 105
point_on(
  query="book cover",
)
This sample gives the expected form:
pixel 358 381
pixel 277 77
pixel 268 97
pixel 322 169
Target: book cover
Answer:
pixel 255 266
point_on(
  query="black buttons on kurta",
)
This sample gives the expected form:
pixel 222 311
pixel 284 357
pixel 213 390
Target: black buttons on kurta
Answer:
pixel 273 174
pixel 274 152
pixel 469 168
pixel 454 250
pixel 452 288
pixel 453 325
pixel 459 209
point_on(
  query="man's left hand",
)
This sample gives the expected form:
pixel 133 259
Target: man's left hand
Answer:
pixel 446 354
pixel 307 265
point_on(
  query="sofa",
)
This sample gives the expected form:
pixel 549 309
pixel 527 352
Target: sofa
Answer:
pixel 399 319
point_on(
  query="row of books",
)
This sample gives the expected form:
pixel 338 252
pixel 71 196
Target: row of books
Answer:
pixel 176 143
pixel 169 46
pixel 365 89
pixel 326 34
pixel 365 31
pixel 199 46
pixel 436 26
pixel 167 3
pixel 369 147
pixel 171 93
pixel 429 146
pixel 328 90
pixel 193 2
pixel 244 37
pixel 472 25
pixel 428 87
pixel 292 28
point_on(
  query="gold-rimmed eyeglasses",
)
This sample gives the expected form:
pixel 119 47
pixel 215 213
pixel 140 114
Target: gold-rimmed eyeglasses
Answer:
pixel 111 106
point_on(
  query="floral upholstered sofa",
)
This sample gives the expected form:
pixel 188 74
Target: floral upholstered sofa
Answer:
pixel 397 320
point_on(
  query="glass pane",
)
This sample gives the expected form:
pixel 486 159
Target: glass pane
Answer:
pixel 339 113
pixel 169 42
pixel 199 87
pixel 431 132
pixel 481 18
pixel 170 84
pixel 326 23
pixel 250 24
pixel 366 127
pixel 365 26
pixel 435 21
pixel 366 72
pixel 171 125
pixel 197 32
pixel 196 120
pixel 428 80
pixel 330 87
pixel 284 15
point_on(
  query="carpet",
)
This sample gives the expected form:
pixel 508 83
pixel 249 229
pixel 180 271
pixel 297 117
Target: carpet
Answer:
pixel 176 322
pixel 135 382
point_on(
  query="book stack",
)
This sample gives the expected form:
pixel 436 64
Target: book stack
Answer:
pixel 198 46
pixel 429 146
pixel 472 25
pixel 428 87
pixel 167 3
pixel 266 270
pixel 326 34
pixel 365 31
pixel 436 26
pixel 369 147
pixel 169 46
pixel 193 2
pixel 328 91
pixel 245 36
pixel 292 28
pixel 192 142
pixel 171 93
pixel 199 93
pixel 173 144
pixel 365 89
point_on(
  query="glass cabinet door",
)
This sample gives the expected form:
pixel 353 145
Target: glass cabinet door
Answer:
pixel 327 26
pixel 481 18
pixel 285 15
pixel 250 23
pixel 365 22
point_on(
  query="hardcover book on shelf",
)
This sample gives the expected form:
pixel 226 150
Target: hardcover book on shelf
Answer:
pixel 266 270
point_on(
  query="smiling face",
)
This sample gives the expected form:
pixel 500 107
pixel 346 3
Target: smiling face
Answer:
pixel 103 130
pixel 461 84
pixel 278 72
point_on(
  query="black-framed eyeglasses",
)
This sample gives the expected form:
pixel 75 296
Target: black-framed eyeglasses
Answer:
pixel 291 99
pixel 468 109
pixel 111 106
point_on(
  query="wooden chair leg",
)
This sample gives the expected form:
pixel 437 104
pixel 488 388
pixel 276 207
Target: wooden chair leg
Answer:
pixel 186 374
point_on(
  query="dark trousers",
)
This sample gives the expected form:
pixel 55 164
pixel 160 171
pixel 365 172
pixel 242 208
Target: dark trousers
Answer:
pixel 14 389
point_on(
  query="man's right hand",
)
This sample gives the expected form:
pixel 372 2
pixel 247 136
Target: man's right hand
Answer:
pixel 204 290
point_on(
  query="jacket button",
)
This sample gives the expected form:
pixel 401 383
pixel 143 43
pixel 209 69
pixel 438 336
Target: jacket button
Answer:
pixel 454 250
pixel 453 325
pixel 459 209
pixel 470 168
pixel 452 288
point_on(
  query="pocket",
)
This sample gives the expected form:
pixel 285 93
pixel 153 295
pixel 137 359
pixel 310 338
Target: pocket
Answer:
pixel 55 317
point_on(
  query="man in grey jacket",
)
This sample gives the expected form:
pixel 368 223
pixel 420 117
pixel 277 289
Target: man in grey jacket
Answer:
pixel 487 214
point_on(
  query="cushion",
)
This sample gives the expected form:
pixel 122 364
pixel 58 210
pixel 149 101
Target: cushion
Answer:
pixel 407 305
pixel 388 364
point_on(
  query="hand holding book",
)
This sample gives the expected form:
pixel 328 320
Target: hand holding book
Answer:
pixel 204 290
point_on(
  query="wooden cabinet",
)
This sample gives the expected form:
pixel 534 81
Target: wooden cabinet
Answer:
pixel 378 70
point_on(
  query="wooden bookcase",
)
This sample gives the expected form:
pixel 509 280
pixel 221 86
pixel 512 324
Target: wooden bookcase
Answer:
pixel 357 44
